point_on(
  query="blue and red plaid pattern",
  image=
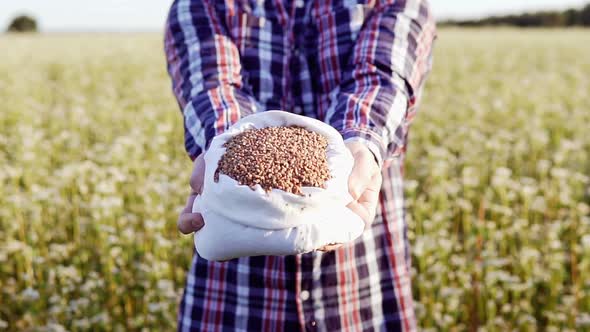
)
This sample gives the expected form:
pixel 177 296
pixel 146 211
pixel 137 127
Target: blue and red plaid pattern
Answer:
pixel 357 65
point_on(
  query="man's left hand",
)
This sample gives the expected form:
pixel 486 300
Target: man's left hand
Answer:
pixel 364 182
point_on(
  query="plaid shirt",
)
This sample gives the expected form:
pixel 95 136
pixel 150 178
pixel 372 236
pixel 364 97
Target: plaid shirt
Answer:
pixel 359 67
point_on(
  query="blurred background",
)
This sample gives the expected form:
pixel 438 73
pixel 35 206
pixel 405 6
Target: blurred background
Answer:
pixel 93 169
pixel 137 15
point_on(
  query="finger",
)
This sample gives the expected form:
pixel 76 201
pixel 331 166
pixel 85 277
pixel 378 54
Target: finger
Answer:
pixel 365 166
pixel 361 211
pixel 357 182
pixel 371 193
pixel 369 200
pixel 330 247
pixel 190 201
pixel 190 222
pixel 366 205
pixel 196 181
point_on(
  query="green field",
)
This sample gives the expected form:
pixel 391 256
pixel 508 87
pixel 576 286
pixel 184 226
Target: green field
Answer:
pixel 93 172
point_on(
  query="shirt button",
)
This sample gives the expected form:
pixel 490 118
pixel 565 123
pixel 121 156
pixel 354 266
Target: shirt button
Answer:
pixel 304 295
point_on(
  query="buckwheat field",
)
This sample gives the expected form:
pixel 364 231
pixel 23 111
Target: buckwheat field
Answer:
pixel 93 173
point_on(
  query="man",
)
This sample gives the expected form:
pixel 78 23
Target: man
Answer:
pixel 359 67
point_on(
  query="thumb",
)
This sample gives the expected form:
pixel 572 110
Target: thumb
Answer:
pixel 362 170
pixel 196 181
pixel 357 181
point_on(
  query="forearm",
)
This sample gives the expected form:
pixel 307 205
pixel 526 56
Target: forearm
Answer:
pixel 372 116
pixel 204 66
pixel 381 84
pixel 210 113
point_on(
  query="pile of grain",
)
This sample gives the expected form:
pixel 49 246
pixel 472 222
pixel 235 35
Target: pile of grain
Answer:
pixel 285 158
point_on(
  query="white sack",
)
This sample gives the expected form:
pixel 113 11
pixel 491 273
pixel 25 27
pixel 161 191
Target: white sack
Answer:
pixel 242 222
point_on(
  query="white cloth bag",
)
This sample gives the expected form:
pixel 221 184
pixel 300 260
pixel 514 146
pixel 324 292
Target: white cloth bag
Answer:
pixel 242 222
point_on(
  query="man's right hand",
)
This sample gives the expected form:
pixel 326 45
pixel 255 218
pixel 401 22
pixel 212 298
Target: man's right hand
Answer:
pixel 189 222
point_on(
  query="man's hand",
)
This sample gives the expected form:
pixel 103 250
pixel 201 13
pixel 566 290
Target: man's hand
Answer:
pixel 188 221
pixel 364 182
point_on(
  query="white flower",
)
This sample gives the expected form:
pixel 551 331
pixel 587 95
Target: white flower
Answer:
pixel 54 327
pixel 583 320
pixel 501 177
pixel 30 294
pixel 559 173
pixel 539 204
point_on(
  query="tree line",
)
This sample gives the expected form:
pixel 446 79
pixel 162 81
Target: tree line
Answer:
pixel 566 18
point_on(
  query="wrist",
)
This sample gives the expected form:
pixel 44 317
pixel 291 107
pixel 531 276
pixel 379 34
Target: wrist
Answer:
pixel 365 147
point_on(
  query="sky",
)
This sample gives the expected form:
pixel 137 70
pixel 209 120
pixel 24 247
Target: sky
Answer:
pixel 149 15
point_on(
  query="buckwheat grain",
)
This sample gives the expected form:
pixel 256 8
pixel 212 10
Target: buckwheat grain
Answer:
pixel 285 158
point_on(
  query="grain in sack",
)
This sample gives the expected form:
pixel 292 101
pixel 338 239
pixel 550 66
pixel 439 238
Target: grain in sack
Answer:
pixel 275 183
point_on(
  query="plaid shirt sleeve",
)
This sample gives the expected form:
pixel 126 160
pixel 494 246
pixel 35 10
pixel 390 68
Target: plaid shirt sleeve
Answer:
pixel 204 65
pixel 381 83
